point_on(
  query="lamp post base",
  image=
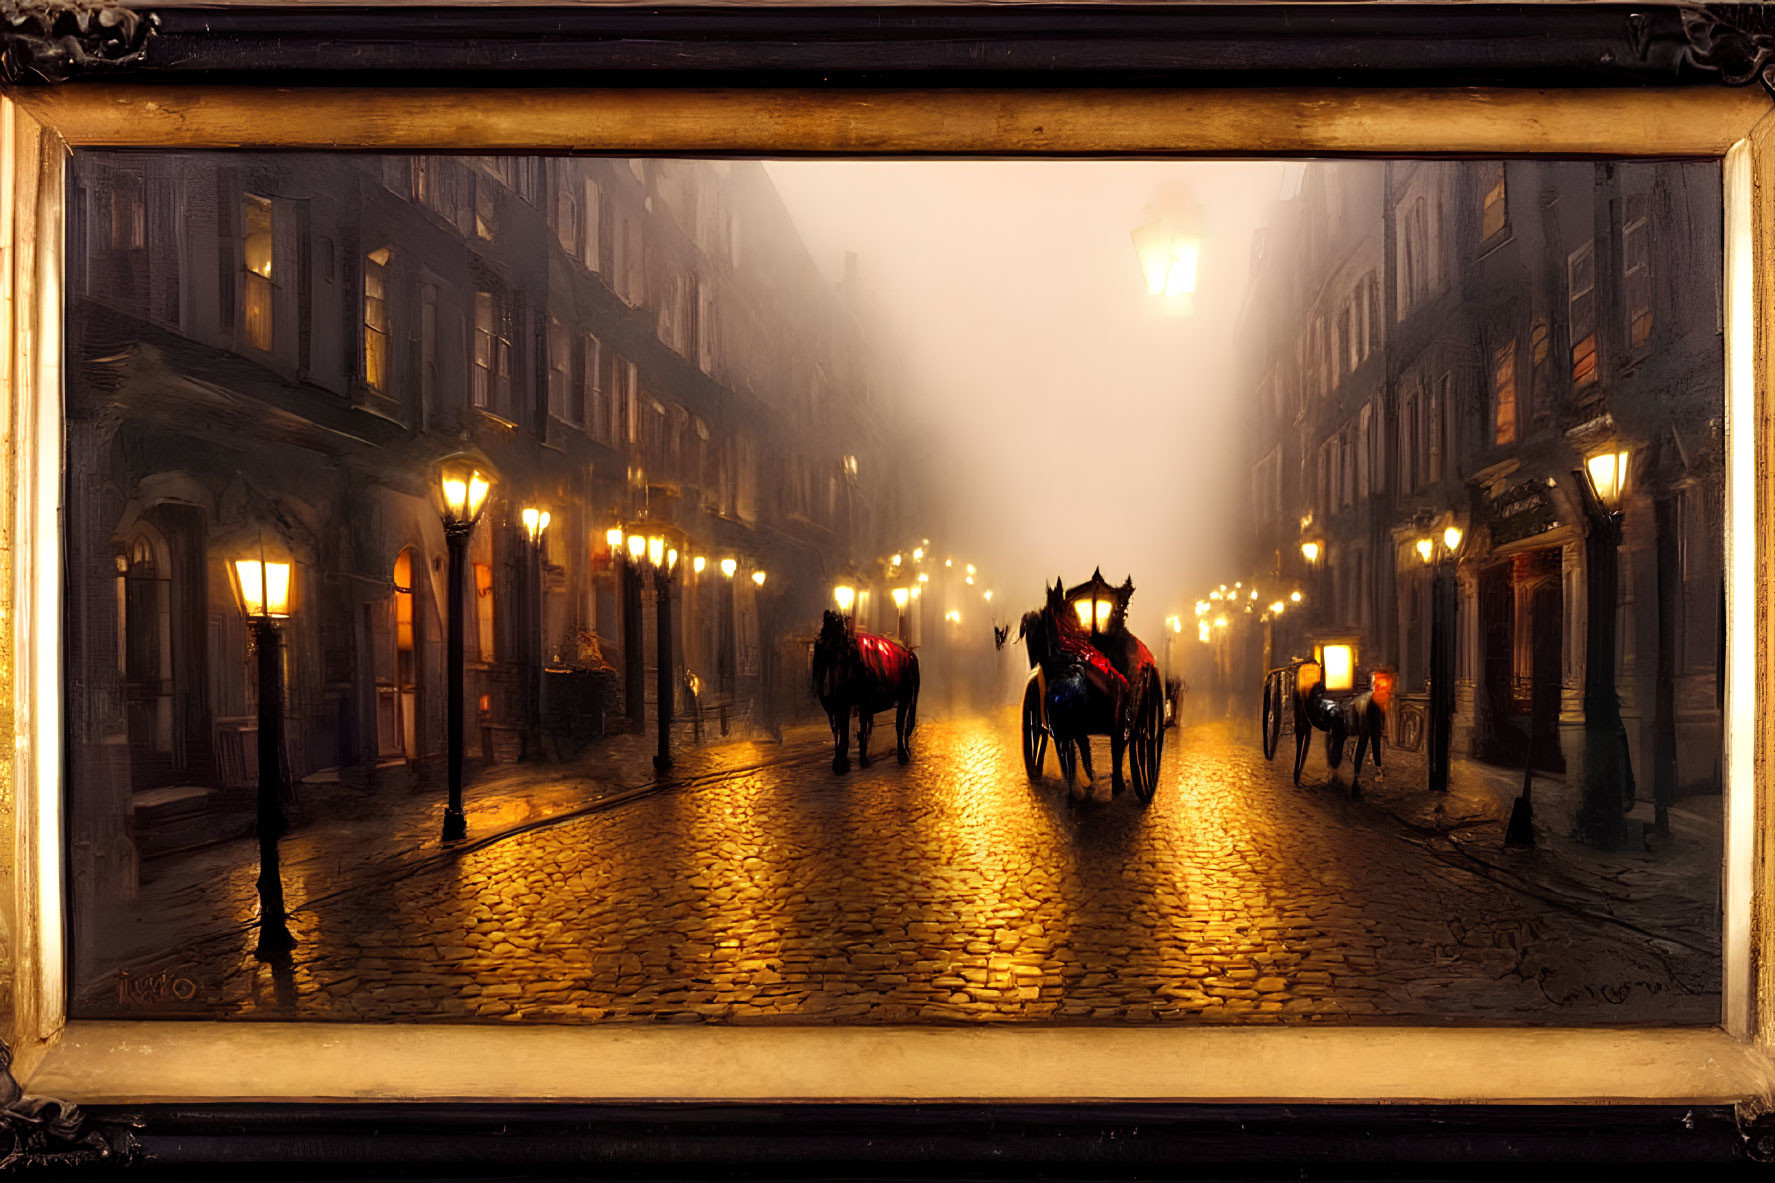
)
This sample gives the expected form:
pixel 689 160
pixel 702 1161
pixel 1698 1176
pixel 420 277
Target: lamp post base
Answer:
pixel 455 825
pixel 662 763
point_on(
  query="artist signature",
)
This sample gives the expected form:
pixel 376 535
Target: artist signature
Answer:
pixel 162 987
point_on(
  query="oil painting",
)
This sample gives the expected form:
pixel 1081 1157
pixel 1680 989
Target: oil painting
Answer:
pixel 592 590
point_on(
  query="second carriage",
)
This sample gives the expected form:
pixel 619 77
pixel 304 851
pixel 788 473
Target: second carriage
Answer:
pixel 1090 676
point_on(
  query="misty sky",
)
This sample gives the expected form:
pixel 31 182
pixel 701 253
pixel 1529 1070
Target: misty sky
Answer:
pixel 1080 427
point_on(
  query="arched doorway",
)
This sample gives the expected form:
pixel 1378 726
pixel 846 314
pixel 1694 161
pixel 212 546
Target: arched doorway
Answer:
pixel 144 609
pixel 397 680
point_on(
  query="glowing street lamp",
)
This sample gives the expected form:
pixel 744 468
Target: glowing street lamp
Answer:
pixel 1310 551
pixel 697 564
pixel 264 591
pixel 729 566
pixel 902 597
pixel 758 578
pixel 613 539
pixel 1607 473
pixel 1443 551
pixel 846 596
pixel 462 489
pixel 1169 248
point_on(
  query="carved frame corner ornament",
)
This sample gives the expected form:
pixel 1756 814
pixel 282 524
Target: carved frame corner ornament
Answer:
pixel 38 1132
pixel 1735 40
pixel 55 40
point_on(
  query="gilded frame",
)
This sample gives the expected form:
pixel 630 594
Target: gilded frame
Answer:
pixel 111 1063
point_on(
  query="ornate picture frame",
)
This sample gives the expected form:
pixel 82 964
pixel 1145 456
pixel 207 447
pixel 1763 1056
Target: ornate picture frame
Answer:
pixel 1212 80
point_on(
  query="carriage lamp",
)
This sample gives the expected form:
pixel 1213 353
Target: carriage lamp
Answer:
pixel 1425 549
pixel 846 597
pixel 758 578
pixel 697 564
pixel 613 538
pixel 463 489
pixel 1608 477
pixel 1083 608
pixel 728 567
pixel 1310 550
pixel 901 596
pixel 1340 667
pixel 637 547
pixel 535 522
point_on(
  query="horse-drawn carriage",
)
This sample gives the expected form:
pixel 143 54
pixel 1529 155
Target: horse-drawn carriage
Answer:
pixel 1326 693
pixel 1090 676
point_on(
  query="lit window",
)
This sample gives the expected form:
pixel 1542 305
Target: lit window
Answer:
pixel 376 318
pixel 1504 393
pixel 1495 215
pixel 1581 289
pixel 256 255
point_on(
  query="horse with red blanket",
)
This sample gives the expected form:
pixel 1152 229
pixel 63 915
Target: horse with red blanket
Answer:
pixel 864 673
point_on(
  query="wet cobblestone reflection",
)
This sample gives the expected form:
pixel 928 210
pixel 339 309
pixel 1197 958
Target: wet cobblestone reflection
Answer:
pixel 955 891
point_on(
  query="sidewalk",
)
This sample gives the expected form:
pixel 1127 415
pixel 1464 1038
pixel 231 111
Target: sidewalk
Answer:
pixel 1667 888
pixel 345 837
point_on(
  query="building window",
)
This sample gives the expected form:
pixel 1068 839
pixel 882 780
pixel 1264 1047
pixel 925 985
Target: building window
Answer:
pixel 484 609
pixel 1636 252
pixel 493 355
pixel 128 222
pixel 590 216
pixel 486 210
pixel 1494 216
pixel 376 318
pixel 567 210
pixel 255 226
pixel 1581 309
pixel 563 401
pixel 1503 387
pixel 597 387
pixel 1539 350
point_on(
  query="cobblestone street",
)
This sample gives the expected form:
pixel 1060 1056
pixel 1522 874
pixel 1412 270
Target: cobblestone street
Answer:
pixel 955 891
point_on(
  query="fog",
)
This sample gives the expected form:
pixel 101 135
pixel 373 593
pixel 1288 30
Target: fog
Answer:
pixel 1070 422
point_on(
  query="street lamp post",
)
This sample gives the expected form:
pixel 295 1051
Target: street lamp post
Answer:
pixel 1444 604
pixel 665 562
pixel 264 590
pixel 535 522
pixel 1601 485
pixel 901 597
pixel 463 495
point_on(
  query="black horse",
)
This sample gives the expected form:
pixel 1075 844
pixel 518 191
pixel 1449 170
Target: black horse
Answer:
pixel 1363 715
pixel 864 673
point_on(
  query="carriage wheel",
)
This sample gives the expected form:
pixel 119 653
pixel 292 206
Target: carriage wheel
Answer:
pixel 1272 715
pixel 1148 741
pixel 1035 736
